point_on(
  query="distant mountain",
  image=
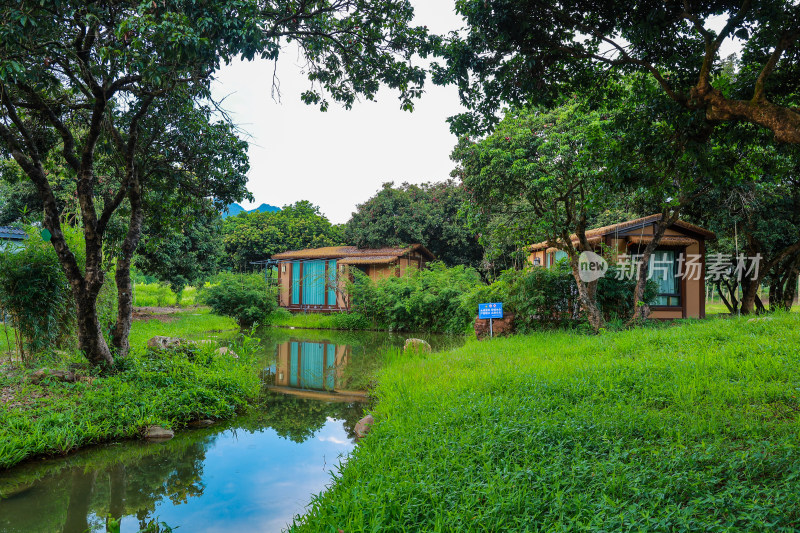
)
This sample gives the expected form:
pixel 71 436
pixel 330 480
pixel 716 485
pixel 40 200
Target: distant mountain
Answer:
pixel 234 209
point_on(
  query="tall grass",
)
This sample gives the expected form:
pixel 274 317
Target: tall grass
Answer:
pixel 339 321
pixel 155 295
pixel 687 428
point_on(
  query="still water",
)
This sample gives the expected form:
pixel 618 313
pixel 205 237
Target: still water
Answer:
pixel 254 473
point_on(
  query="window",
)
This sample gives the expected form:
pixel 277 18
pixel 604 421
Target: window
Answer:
pixel 664 271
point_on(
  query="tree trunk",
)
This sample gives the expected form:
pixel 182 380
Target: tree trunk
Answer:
pixel 733 304
pixel 90 335
pixel 641 310
pixel 587 293
pixel 749 295
pixel 85 286
pixel 790 290
pixel 122 328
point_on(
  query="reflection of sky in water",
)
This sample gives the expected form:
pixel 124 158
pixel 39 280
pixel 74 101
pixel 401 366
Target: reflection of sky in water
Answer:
pixel 256 481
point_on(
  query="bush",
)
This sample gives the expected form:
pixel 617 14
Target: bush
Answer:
pixel 36 297
pixel 421 300
pixel 542 298
pixel 244 297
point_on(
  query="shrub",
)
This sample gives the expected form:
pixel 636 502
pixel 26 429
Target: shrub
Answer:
pixel 542 298
pixel 244 297
pixel 36 297
pixel 420 300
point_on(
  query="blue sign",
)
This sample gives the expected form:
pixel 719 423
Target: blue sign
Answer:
pixel 490 310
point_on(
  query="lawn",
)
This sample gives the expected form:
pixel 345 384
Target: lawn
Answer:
pixel 688 427
pixel 163 388
pixel 156 295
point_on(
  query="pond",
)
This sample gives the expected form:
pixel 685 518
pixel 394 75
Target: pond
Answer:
pixel 254 473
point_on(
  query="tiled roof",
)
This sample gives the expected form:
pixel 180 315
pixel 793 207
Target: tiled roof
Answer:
pixel 666 240
pixel 368 260
pixel 9 232
pixel 622 226
pixel 352 252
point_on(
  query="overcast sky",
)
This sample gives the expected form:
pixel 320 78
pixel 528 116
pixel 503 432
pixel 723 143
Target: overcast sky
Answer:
pixel 339 158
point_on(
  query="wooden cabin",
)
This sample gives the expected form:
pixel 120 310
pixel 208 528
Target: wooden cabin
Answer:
pixel 315 279
pixel 679 296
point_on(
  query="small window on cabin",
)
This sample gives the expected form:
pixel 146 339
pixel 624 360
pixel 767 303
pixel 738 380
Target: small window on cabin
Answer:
pixel 664 271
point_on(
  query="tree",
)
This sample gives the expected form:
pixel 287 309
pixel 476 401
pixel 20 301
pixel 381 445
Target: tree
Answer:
pixel 538 51
pixel 546 167
pixel 257 236
pixel 426 214
pixel 756 218
pixel 88 83
pixel 182 256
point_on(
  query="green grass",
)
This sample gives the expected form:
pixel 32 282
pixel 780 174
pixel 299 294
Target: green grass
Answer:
pixel 692 427
pixel 155 295
pixel 164 388
pixel 341 321
pixel 719 308
pixel 197 323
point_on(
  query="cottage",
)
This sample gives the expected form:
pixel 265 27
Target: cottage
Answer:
pixel 677 265
pixel 314 279
pixel 11 237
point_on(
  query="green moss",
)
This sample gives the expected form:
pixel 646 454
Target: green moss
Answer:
pixel 692 427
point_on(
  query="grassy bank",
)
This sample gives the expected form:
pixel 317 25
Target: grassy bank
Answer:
pixel 687 428
pixel 165 388
pixel 339 321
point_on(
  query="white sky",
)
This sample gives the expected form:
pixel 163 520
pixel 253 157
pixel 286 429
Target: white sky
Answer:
pixel 340 158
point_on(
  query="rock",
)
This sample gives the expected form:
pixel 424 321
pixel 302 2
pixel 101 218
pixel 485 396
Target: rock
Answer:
pixel 157 433
pixel 417 345
pixel 59 375
pixel 226 351
pixel 500 326
pixel 364 426
pixel 163 343
pixel 203 423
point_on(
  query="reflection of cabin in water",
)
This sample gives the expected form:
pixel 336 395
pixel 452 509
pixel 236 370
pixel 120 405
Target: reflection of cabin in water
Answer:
pixel 311 365
pixel 314 279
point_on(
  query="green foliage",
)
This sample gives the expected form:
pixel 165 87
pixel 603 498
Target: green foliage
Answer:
pixel 420 300
pixel 35 294
pixel 257 236
pixel 543 169
pixel 244 297
pixel 691 427
pixel 164 388
pixel 529 51
pixel 182 256
pixel 545 298
pixel 427 214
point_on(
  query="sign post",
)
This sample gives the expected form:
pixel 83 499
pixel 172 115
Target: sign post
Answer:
pixel 490 311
